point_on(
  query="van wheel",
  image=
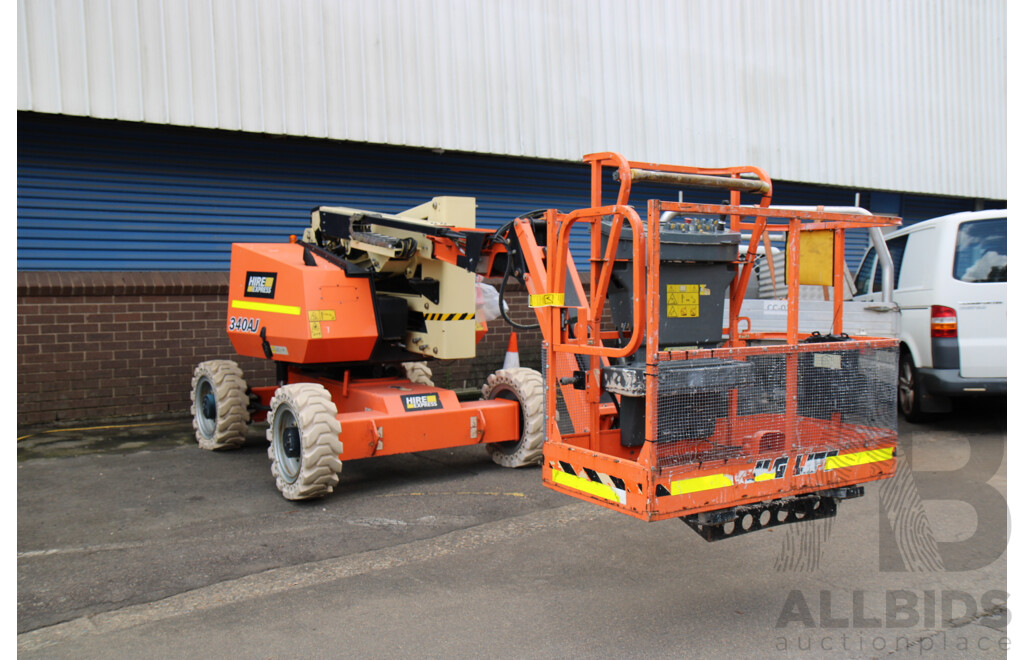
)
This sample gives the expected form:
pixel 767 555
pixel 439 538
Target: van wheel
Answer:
pixel 909 390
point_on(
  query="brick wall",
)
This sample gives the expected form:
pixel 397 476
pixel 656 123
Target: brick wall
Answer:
pixel 97 345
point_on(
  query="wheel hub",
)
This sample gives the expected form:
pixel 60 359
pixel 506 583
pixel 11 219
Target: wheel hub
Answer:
pixel 290 442
pixel 209 406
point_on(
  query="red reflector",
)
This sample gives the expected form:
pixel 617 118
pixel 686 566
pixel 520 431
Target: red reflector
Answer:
pixel 943 321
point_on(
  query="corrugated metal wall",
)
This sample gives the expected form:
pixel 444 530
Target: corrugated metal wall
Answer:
pixel 906 96
pixel 107 195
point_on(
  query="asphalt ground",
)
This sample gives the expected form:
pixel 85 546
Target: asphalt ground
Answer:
pixel 132 542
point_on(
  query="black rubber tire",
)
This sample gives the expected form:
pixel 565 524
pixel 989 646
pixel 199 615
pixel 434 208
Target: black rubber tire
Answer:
pixel 419 373
pixel 314 471
pixel 908 390
pixel 221 381
pixel 527 387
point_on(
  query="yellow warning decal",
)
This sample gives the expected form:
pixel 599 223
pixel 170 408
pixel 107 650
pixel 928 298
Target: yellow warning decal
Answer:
pixel 697 484
pixel 578 483
pixel 266 307
pixel 316 317
pixel 683 300
pixel 321 315
pixel 449 317
pixel 859 458
pixel 547 300
pixel 767 476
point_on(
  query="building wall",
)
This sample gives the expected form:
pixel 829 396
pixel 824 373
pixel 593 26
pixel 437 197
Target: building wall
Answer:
pixel 125 196
pixel 905 96
pixel 124 232
pixel 99 345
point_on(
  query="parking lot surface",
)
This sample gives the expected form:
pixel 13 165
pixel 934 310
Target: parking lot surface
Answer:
pixel 132 542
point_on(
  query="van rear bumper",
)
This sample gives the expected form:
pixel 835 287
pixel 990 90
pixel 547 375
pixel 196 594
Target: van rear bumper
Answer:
pixel 949 382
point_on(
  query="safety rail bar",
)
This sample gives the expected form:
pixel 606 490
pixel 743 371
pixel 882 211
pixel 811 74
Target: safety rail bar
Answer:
pixel 796 221
pixel 700 180
pixel 735 179
pixel 589 343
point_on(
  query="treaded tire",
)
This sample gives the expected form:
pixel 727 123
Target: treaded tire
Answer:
pixel 313 472
pixel 527 387
pixel 219 383
pixel 419 372
pixel 909 390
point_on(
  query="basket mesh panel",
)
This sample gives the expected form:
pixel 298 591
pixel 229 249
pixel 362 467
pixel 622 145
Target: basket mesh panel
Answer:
pixel 838 399
pixel 570 405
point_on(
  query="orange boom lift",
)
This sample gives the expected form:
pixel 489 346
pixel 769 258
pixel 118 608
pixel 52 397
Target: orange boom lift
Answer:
pixel 659 397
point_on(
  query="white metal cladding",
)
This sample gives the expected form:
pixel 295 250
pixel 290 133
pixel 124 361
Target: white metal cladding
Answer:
pixel 907 95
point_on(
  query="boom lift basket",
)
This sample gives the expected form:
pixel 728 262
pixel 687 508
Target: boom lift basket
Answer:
pixel 678 409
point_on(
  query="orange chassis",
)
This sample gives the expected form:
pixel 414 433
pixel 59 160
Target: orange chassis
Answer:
pixel 375 420
pixel 592 463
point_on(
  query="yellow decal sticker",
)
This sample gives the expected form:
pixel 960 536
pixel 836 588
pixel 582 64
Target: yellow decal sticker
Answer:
pixel 697 484
pixel 547 300
pixel 859 458
pixel 316 317
pixel 683 300
pixel 321 315
pixel 266 307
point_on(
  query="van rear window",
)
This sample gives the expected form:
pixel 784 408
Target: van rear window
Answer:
pixel 981 251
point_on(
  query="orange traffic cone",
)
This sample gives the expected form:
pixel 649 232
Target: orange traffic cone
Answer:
pixel 512 355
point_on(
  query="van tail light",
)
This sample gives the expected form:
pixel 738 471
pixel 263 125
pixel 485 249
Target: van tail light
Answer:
pixel 943 321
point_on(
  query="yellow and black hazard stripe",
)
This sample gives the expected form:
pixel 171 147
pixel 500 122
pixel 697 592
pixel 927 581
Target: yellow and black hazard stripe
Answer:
pixel 449 317
pixel 589 481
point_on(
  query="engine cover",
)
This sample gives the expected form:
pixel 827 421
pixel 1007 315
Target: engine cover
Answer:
pixel 281 308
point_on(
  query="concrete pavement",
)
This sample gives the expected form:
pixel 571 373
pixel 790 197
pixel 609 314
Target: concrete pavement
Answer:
pixel 173 552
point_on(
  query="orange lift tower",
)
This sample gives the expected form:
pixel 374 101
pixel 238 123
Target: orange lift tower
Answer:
pixel 662 399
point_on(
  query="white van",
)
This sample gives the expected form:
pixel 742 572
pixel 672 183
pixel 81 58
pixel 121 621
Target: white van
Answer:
pixel 950 285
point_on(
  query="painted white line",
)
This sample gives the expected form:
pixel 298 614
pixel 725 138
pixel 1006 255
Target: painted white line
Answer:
pixel 85 549
pixel 315 573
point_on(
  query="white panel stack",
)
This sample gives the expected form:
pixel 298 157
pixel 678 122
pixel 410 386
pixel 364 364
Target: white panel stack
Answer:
pixel 907 96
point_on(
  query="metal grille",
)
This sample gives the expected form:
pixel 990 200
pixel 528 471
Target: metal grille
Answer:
pixel 570 407
pixel 748 402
